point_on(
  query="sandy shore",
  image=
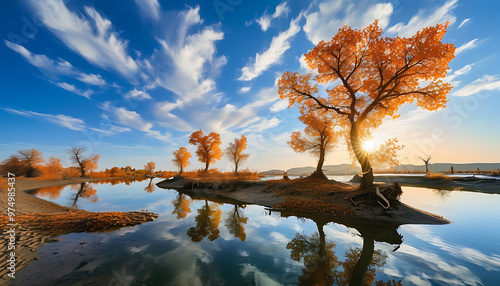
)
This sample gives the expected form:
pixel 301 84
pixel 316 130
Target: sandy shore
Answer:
pixel 38 220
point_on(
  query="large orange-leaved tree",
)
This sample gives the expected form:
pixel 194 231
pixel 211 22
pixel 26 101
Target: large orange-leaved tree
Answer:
pixel 235 152
pixel 181 158
pixel 371 77
pixel 319 136
pixel 208 147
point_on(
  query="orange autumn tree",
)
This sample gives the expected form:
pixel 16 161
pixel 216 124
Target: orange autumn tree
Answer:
pixel 181 158
pixel 319 136
pixel 84 163
pixel 235 152
pixel 372 76
pixel 150 167
pixel 31 157
pixel 208 147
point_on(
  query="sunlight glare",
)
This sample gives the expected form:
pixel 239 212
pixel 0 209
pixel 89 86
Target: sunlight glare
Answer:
pixel 369 146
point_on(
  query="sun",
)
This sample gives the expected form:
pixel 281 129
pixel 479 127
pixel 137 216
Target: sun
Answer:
pixel 369 146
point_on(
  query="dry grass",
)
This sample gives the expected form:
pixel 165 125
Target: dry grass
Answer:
pixel 215 175
pixel 80 221
pixel 439 176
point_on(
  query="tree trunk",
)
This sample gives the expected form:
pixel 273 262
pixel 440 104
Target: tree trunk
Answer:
pixel 319 167
pixel 361 156
pixel 181 170
pixel 207 163
pixel 426 168
pixel 82 169
pixel 236 169
pixel 361 266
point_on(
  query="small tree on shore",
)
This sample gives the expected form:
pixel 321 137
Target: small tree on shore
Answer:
pixel 208 147
pixel 426 161
pixel 150 167
pixel 235 152
pixel 31 157
pixel 84 163
pixel 319 136
pixel 181 158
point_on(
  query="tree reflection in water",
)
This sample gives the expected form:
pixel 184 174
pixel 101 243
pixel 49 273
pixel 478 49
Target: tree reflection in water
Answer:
pixel 84 190
pixel 235 222
pixel 150 187
pixel 181 205
pixel 322 266
pixel 207 223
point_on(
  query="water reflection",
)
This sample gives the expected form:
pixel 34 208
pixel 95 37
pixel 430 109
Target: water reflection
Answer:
pixel 150 187
pixel 84 190
pixel 181 205
pixel 322 266
pixel 207 223
pixel 235 222
pixel 317 253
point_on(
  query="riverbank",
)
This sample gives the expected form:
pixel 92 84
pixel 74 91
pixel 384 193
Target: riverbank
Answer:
pixel 38 221
pixel 309 195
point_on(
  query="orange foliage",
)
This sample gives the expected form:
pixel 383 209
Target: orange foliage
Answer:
pixel 376 76
pixel 386 154
pixel 50 192
pixel 235 152
pixel 207 223
pixel 208 147
pixel 217 176
pixel 53 170
pixel 150 167
pixel 31 156
pixel 181 205
pixel 319 135
pixel 181 158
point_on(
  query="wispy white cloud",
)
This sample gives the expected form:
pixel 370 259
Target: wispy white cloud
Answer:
pixel 463 23
pixel 149 8
pixel 56 68
pixel 69 122
pixel 137 94
pixel 244 89
pixel 467 46
pixel 273 55
pixel 265 20
pixel 92 79
pixel 464 70
pixel 425 18
pixel 262 125
pixel 324 20
pixel 486 83
pixel 186 64
pixel 133 120
pixel 92 36
pixel 58 119
pixel 72 88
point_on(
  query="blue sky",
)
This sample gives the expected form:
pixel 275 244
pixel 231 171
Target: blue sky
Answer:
pixel 130 80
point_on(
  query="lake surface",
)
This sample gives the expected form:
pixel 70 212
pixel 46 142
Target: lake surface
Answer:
pixel 205 243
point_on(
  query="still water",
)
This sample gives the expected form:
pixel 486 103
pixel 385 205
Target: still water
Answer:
pixel 205 243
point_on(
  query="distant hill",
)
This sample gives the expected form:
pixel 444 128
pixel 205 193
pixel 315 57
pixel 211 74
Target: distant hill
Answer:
pixel 274 172
pixel 343 169
pixel 445 167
